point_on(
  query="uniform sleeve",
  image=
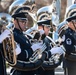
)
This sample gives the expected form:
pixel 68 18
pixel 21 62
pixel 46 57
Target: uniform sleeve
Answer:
pixel 68 44
pixel 25 46
pixel 1 46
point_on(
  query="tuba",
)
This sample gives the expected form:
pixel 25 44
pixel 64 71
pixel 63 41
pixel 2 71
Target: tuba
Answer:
pixel 30 4
pixel 61 28
pixel 8 44
pixel 70 11
pixel 51 12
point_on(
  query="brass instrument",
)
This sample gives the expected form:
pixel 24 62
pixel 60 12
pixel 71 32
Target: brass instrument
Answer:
pixel 55 59
pixel 37 54
pixel 61 28
pixel 37 38
pixel 70 11
pixel 29 5
pixel 9 45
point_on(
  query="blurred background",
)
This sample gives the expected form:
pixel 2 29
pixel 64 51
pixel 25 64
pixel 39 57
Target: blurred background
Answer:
pixel 4 5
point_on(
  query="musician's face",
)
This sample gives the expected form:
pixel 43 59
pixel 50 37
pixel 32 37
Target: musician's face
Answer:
pixel 23 24
pixel 47 29
pixel 72 25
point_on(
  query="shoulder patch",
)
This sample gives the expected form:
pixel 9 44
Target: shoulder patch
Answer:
pixel 68 41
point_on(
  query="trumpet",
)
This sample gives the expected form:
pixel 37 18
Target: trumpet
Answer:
pixel 37 54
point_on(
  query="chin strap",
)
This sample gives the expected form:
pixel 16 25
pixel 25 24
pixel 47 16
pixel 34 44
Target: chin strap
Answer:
pixel 74 26
pixel 19 25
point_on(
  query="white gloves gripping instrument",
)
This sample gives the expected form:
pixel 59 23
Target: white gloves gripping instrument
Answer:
pixel 36 45
pixel 38 49
pixel 57 50
pixel 6 33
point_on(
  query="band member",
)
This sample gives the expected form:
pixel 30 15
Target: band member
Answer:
pixel 70 47
pixel 45 25
pixel 20 20
pixel 3 35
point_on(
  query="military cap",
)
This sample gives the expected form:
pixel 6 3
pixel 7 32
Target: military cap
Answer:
pixel 44 22
pixel 21 13
pixel 71 18
pixel 21 16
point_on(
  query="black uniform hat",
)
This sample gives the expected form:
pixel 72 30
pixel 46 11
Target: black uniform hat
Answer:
pixel 44 19
pixel 71 18
pixel 21 16
pixel 20 13
pixel 44 22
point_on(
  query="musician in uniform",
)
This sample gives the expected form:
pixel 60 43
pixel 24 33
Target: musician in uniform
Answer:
pixel 45 25
pixel 3 35
pixel 69 44
pixel 20 20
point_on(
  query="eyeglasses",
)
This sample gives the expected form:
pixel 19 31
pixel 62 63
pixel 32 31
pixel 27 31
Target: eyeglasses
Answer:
pixel 48 27
pixel 74 21
pixel 21 18
pixel 23 21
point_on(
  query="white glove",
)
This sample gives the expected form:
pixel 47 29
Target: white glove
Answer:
pixel 36 46
pixel 57 50
pixel 18 49
pixel 4 35
pixel 41 31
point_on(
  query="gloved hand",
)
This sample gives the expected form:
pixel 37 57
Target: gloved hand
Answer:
pixel 39 34
pixel 18 49
pixel 42 34
pixel 4 35
pixel 57 50
pixel 38 52
pixel 36 46
pixel 41 31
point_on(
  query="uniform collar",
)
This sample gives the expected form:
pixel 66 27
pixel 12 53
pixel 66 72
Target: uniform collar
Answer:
pixel 18 31
pixel 71 30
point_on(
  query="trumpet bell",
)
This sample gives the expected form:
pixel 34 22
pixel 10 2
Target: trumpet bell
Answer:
pixel 5 17
pixel 61 28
